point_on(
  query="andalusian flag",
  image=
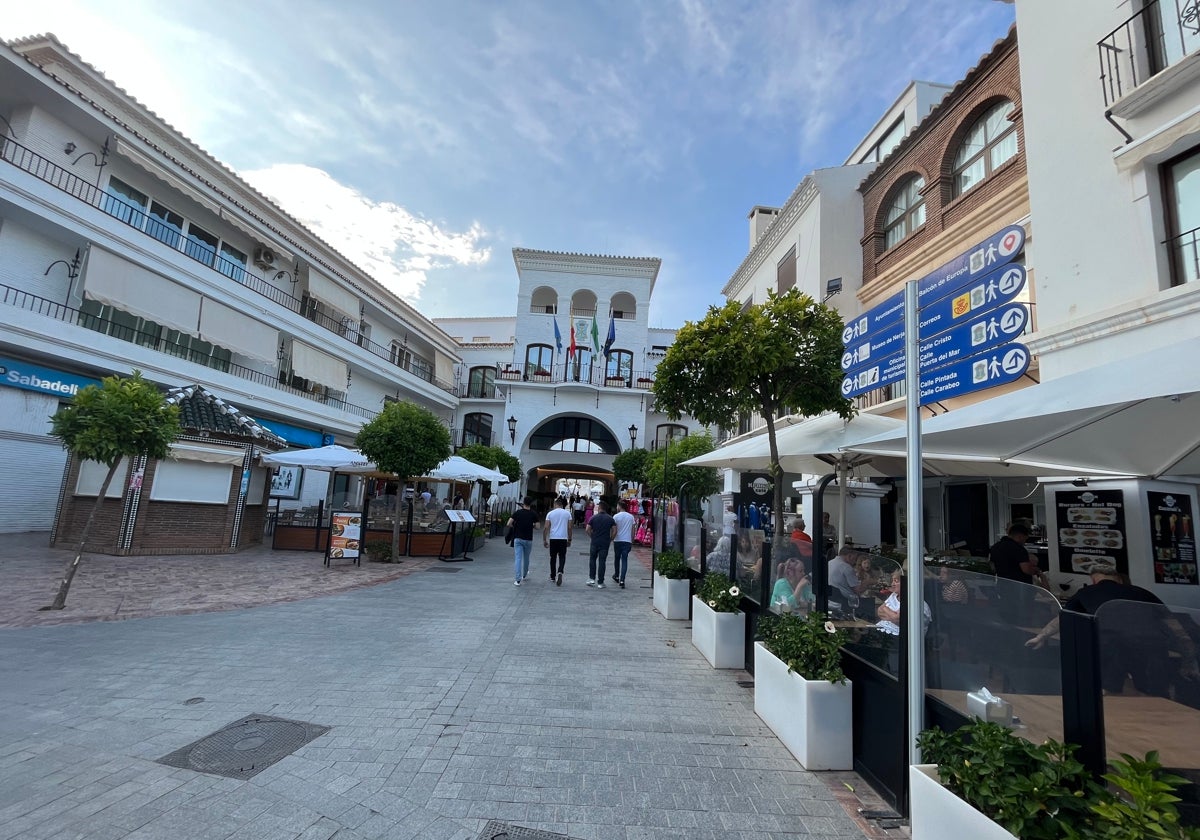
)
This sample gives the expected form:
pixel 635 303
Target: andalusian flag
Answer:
pixel 595 335
pixel 557 335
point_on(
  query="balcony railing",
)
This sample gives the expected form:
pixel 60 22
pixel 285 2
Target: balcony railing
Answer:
pixel 1161 34
pixel 571 374
pixel 155 340
pixel 1185 257
pixel 29 161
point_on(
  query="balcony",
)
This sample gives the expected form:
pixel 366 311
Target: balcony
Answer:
pixel 1161 35
pixel 572 374
pixel 39 167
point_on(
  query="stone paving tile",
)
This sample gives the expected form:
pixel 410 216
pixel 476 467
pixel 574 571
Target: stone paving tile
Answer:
pixel 452 700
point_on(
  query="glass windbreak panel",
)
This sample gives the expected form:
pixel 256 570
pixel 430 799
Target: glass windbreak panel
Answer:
pixel 791 578
pixel 165 225
pixel 978 647
pixel 720 555
pixel 1148 672
pixel 865 601
pixel 692 529
pixel 751 543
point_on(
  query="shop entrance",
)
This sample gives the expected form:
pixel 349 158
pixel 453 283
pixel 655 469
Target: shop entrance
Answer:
pixel 968 519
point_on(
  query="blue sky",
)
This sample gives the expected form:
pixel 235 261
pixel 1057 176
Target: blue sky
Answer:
pixel 426 140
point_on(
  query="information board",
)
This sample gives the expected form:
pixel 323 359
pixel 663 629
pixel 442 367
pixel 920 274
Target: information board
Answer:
pixel 345 534
pixel 1090 529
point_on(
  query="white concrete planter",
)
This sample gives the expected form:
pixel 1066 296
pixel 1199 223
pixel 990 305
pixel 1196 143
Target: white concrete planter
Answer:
pixel 811 717
pixel 938 814
pixel 720 636
pixel 671 597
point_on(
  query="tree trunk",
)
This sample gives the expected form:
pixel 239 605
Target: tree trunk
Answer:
pixel 64 586
pixel 401 486
pixel 776 470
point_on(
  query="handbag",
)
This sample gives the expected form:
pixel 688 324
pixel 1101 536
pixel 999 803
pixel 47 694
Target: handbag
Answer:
pixel 509 534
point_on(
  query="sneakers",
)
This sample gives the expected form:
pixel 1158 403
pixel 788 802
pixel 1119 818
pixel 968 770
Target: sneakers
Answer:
pixel 591 582
pixel 616 579
pixel 526 577
pixel 621 583
pixel 558 580
pixel 599 585
pixel 516 583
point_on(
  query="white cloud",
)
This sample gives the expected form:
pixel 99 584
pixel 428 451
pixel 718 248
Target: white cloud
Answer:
pixel 396 247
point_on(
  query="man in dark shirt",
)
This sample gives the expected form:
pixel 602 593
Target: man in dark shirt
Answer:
pixel 1009 557
pixel 522 522
pixel 602 529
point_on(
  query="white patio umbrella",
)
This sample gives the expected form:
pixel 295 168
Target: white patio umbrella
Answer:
pixel 1138 416
pixel 457 468
pixel 333 458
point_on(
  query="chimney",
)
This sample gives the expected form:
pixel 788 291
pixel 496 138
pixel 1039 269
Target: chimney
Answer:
pixel 760 219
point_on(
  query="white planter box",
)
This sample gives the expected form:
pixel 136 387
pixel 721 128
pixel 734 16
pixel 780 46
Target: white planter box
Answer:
pixel 811 717
pixel 938 814
pixel 671 597
pixel 720 636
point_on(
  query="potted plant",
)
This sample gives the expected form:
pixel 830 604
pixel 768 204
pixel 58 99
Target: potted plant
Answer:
pixel 800 690
pixel 378 551
pixel 671 585
pixel 614 381
pixel 510 373
pixel 645 382
pixel 478 535
pixel 718 626
pixel 541 375
pixel 989 783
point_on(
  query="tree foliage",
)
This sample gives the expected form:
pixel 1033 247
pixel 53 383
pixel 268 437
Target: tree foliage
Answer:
pixel 779 357
pixel 630 465
pixel 122 417
pixel 664 474
pixel 492 456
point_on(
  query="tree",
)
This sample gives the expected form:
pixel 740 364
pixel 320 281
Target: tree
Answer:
pixel 492 456
pixel 779 357
pixel 664 473
pixel 407 440
pixel 630 465
pixel 120 418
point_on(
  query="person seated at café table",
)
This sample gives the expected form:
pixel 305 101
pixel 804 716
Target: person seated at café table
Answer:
pixel 1135 641
pixel 843 575
pixel 793 589
pixel 888 612
pixel 799 535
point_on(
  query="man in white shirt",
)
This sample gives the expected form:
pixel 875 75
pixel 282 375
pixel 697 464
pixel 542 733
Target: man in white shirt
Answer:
pixel 729 521
pixel 623 542
pixel 557 536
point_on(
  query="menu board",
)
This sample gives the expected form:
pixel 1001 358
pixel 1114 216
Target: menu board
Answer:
pixel 1172 539
pixel 1090 529
pixel 345 534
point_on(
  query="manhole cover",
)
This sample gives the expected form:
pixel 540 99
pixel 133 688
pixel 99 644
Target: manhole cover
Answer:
pixel 496 830
pixel 244 747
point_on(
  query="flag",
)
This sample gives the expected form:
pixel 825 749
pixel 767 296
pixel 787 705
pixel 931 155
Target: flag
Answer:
pixel 612 336
pixel 557 336
pixel 595 335
pixel 571 348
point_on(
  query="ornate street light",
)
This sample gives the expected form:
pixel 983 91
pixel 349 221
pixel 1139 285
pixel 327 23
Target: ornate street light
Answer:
pixel 512 428
pixel 633 435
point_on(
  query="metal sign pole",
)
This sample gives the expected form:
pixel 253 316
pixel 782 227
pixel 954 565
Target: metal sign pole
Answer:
pixel 914 586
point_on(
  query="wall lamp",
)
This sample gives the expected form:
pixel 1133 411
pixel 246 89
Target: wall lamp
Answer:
pixel 633 435
pixel 1080 482
pixel 512 428
pixel 832 287
pixel 291 275
pixel 72 272
pixel 282 354
pixel 101 160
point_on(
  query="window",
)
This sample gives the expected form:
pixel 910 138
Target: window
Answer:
pixel 620 363
pixel 539 358
pixel 1181 180
pixel 165 224
pixel 990 142
pixel 399 355
pixel 889 141
pixel 906 213
pixel 477 428
pixel 119 324
pixel 668 433
pixel 232 262
pixel 785 272
pixel 197 350
pixel 126 203
pixel 580 369
pixel 421 368
pixel 201 245
pixel 481 382
pixel 574 434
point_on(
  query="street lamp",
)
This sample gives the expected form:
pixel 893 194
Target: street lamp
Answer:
pixel 632 435
pixel 512 428
pixel 832 287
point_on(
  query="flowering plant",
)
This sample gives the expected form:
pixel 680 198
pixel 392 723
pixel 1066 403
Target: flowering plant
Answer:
pixel 670 564
pixel 719 592
pixel 809 645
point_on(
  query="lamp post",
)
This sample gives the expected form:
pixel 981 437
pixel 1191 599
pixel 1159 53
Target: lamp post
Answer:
pixel 832 287
pixel 633 430
pixel 512 429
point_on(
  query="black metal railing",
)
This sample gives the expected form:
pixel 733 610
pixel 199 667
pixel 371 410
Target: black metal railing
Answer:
pixel 156 340
pixel 572 374
pixel 31 162
pixel 1160 34
pixel 1185 257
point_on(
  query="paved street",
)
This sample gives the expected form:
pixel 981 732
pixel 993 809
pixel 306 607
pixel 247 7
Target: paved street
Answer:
pixel 455 703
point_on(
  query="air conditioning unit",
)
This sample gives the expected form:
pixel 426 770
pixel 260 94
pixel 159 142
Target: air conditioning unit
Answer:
pixel 264 258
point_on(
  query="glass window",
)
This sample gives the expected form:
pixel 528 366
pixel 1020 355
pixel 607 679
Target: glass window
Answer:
pixel 184 346
pixel 201 245
pixel 232 262
pixel 165 224
pixel 990 142
pixel 539 358
pixel 399 355
pixel 785 271
pixel 481 382
pixel 119 324
pixel 422 368
pixel 1181 179
pixel 126 203
pixel 667 434
pixel 620 363
pixel 906 212
pixel 477 428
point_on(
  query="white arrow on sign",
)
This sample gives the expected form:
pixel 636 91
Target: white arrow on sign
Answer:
pixel 1012 321
pixel 1009 281
pixel 1015 360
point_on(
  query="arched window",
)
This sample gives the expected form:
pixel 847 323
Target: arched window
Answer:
pixel 543 301
pixel 906 212
pixel 668 433
pixel 623 306
pixel 539 358
pixel 481 382
pixel 988 143
pixel 477 428
pixel 620 363
pixel 574 434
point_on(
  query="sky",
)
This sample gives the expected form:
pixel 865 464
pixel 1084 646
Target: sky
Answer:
pixel 427 140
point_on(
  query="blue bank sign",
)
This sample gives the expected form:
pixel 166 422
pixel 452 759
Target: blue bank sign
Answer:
pixel 31 377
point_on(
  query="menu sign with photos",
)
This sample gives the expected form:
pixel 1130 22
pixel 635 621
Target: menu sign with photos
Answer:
pixel 1090 529
pixel 346 534
pixel 1172 539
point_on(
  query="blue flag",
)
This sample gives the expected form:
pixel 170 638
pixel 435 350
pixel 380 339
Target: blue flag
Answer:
pixel 557 336
pixel 612 336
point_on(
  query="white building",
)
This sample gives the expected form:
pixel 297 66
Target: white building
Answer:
pixel 566 415
pixel 125 246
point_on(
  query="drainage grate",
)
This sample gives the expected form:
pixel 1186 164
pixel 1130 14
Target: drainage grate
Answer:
pixel 245 747
pixel 450 569
pixel 496 830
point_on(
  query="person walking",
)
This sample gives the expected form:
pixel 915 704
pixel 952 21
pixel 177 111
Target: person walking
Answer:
pixel 522 522
pixel 556 536
pixel 622 541
pixel 601 529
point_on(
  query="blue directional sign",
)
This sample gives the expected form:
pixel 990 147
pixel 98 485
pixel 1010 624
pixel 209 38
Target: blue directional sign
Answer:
pixel 876 346
pixel 990 330
pixel 986 370
pixel 991 292
pixel 880 317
